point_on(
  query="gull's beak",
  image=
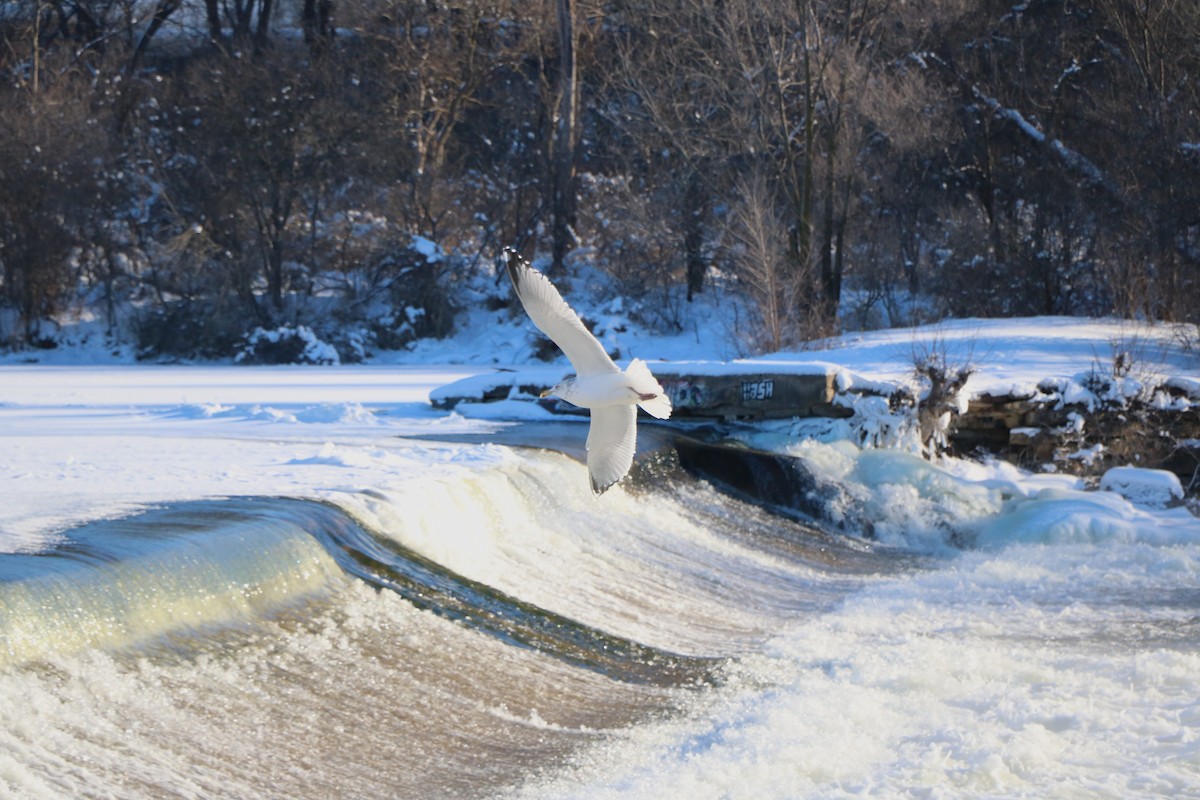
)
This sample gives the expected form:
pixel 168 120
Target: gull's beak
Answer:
pixel 546 393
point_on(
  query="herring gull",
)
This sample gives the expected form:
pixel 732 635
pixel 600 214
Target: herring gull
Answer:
pixel 599 385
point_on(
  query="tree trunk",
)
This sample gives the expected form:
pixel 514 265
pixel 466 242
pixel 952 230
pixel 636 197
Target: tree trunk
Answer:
pixel 212 14
pixel 828 299
pixel 162 11
pixel 802 234
pixel 563 181
pixel 265 7
pixel 317 20
pixel 693 236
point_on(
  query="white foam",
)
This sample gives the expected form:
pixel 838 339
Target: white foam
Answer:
pixel 533 529
pixel 1004 675
pixel 1059 658
pixel 359 695
pixel 905 501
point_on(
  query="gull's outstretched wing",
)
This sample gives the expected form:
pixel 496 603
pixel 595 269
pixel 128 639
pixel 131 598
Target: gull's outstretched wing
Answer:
pixel 611 441
pixel 556 319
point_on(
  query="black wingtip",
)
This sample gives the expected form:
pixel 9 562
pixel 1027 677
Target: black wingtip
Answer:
pixel 597 489
pixel 515 263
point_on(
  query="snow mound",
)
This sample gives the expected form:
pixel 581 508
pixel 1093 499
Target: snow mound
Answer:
pixel 317 413
pixel 1148 487
pixel 287 345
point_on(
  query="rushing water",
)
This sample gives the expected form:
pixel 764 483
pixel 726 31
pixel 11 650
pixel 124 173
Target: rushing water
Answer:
pixel 506 634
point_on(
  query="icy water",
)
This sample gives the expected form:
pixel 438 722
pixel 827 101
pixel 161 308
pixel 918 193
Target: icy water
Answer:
pixel 507 635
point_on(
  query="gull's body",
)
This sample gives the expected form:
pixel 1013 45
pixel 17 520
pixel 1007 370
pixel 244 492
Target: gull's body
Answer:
pixel 599 384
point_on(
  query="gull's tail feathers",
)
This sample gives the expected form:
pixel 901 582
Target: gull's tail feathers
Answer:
pixel 655 401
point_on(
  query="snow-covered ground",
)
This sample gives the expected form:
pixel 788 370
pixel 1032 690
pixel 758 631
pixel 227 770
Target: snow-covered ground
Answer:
pixel 103 436
pixel 1050 650
pixel 96 441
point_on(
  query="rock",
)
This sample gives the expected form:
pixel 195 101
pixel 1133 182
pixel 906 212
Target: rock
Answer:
pixel 1148 487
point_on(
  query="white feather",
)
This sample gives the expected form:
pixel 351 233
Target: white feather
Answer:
pixel 556 319
pixel 612 395
pixel 612 439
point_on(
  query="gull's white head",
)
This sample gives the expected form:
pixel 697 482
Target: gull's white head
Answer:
pixel 564 389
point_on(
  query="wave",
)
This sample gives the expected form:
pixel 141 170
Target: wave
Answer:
pixel 648 582
pixel 524 552
pixel 668 561
pixel 439 639
pixel 119 582
pixel 452 636
pixel 188 569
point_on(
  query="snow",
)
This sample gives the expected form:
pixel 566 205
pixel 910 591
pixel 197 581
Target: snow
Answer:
pixel 315 351
pixel 87 432
pixel 1189 386
pixel 90 442
pixel 479 386
pixel 1149 487
pixel 428 248
pixel 1024 357
pixel 1028 633
pixel 1011 356
pixel 104 437
pixel 1072 158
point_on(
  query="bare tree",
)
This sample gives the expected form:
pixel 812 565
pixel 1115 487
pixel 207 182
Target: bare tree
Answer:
pixel 56 183
pixel 245 20
pixel 760 250
pixel 437 62
pixel 317 17
pixel 792 89
pixel 675 102
pixel 1152 95
pixel 257 143
pixel 1040 157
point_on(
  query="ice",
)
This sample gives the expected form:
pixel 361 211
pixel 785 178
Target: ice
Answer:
pixel 903 500
pixel 92 442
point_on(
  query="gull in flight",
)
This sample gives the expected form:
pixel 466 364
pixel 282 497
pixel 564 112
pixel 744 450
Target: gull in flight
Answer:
pixel 612 396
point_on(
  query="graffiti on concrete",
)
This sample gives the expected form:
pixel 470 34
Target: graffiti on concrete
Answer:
pixel 758 390
pixel 687 394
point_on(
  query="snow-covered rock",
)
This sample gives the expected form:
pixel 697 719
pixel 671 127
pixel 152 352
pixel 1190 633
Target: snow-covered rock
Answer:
pixel 1147 487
